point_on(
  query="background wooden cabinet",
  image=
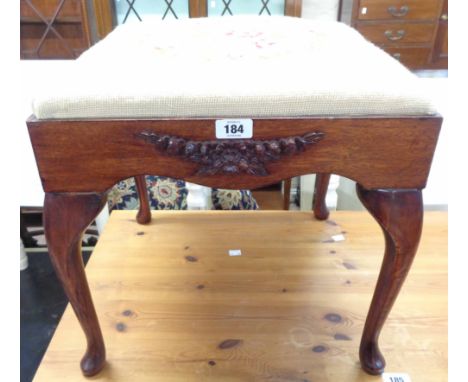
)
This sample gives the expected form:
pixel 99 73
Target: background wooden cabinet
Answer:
pixel 414 32
pixel 53 28
pixel 439 55
pixel 63 29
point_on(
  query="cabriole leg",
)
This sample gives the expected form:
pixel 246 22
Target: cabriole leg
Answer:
pixel 66 216
pixel 400 215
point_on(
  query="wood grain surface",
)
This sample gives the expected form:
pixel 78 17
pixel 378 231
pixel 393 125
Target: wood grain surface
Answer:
pixel 293 8
pixel 413 33
pixel 92 156
pixel 174 306
pixel 417 9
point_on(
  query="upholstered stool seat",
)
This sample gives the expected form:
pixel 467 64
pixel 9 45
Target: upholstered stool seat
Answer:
pixel 238 66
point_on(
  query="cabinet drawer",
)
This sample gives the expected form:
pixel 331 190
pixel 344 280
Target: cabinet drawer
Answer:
pixel 395 33
pixel 398 9
pixel 410 57
pixel 70 11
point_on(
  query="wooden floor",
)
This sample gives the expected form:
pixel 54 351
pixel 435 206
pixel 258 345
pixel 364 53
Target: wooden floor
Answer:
pixel 174 306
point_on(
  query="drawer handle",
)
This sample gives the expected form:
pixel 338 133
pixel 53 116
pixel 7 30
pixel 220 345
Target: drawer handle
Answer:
pixel 395 36
pixel 403 11
pixel 444 17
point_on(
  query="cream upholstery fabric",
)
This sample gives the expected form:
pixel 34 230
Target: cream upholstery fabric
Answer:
pixel 242 66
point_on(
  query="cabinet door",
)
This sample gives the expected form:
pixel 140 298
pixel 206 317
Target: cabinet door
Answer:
pixel 137 10
pixel 51 29
pixel 109 13
pixel 439 58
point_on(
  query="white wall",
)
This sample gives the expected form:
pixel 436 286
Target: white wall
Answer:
pixel 33 75
pixel 320 9
pixel 435 195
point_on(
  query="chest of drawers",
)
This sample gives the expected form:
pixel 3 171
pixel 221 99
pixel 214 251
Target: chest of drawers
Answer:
pixel 413 31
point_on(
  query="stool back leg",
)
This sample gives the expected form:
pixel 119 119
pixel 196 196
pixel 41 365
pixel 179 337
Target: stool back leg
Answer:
pixel 286 193
pixel 400 215
pixel 66 216
pixel 320 192
pixel 144 211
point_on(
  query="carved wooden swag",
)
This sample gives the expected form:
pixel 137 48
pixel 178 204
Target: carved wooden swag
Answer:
pixel 229 156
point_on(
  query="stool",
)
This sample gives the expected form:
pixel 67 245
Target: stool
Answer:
pixel 345 107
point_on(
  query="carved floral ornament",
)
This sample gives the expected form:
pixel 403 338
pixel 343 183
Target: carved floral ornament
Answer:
pixel 229 156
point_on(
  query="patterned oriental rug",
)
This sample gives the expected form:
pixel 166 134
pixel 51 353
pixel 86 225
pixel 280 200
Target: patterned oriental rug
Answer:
pixel 171 194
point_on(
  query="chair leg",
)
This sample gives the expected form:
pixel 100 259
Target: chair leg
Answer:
pixel 320 191
pixel 27 239
pixel 400 215
pixel 66 216
pixel 287 193
pixel 144 211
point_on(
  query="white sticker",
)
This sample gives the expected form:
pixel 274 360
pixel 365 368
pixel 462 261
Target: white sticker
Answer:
pixel 364 10
pixel 339 237
pixel 235 252
pixel 395 377
pixel 234 128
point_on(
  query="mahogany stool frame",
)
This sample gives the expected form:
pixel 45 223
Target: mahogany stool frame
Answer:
pixel 80 160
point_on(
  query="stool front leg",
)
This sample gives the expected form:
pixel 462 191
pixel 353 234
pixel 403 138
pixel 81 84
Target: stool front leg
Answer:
pixel 400 215
pixel 66 216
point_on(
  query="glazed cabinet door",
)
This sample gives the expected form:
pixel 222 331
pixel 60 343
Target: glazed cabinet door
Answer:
pixel 109 13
